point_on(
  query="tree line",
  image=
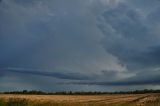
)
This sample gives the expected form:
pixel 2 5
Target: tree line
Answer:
pixel 35 92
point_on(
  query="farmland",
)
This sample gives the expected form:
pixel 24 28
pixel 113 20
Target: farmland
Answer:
pixel 80 100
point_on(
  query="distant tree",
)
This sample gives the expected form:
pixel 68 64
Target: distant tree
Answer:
pixel 81 92
pixel 24 91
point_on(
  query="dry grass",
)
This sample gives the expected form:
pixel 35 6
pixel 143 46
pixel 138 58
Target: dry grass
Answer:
pixel 78 100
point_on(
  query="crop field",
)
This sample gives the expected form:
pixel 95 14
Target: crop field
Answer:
pixel 80 100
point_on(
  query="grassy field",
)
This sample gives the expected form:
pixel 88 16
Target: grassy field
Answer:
pixel 79 100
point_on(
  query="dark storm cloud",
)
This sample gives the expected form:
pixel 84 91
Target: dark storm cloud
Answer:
pixel 148 58
pixel 150 78
pixel 130 37
pixel 125 83
pixel 104 42
pixel 25 2
pixel 60 75
pixel 148 5
pixel 51 37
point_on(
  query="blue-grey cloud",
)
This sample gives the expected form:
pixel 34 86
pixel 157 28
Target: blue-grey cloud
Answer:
pixel 93 40
pixel 130 37
pixel 151 78
pixel 60 75
pixel 125 83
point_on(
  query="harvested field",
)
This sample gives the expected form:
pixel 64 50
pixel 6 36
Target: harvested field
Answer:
pixel 81 100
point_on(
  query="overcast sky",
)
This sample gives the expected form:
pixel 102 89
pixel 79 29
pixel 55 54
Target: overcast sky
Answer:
pixel 79 45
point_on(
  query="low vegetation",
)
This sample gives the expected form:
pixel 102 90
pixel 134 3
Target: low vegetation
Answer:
pixel 151 99
pixel 39 98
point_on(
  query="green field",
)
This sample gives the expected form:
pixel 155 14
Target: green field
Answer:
pixel 79 100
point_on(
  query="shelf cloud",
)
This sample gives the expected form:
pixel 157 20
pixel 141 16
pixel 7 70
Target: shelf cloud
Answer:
pixel 83 44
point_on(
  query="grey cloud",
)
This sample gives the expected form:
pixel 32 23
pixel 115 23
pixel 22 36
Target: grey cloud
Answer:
pixel 115 75
pixel 125 83
pixel 109 74
pixel 59 75
pixel 149 58
pixel 20 2
pixel 153 16
pixel 129 36
pixel 151 78
pixel 147 6
pixel 53 37
pixel 93 40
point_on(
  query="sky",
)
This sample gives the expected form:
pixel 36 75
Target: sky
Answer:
pixel 79 45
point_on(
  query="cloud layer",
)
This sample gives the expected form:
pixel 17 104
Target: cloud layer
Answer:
pixel 91 42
